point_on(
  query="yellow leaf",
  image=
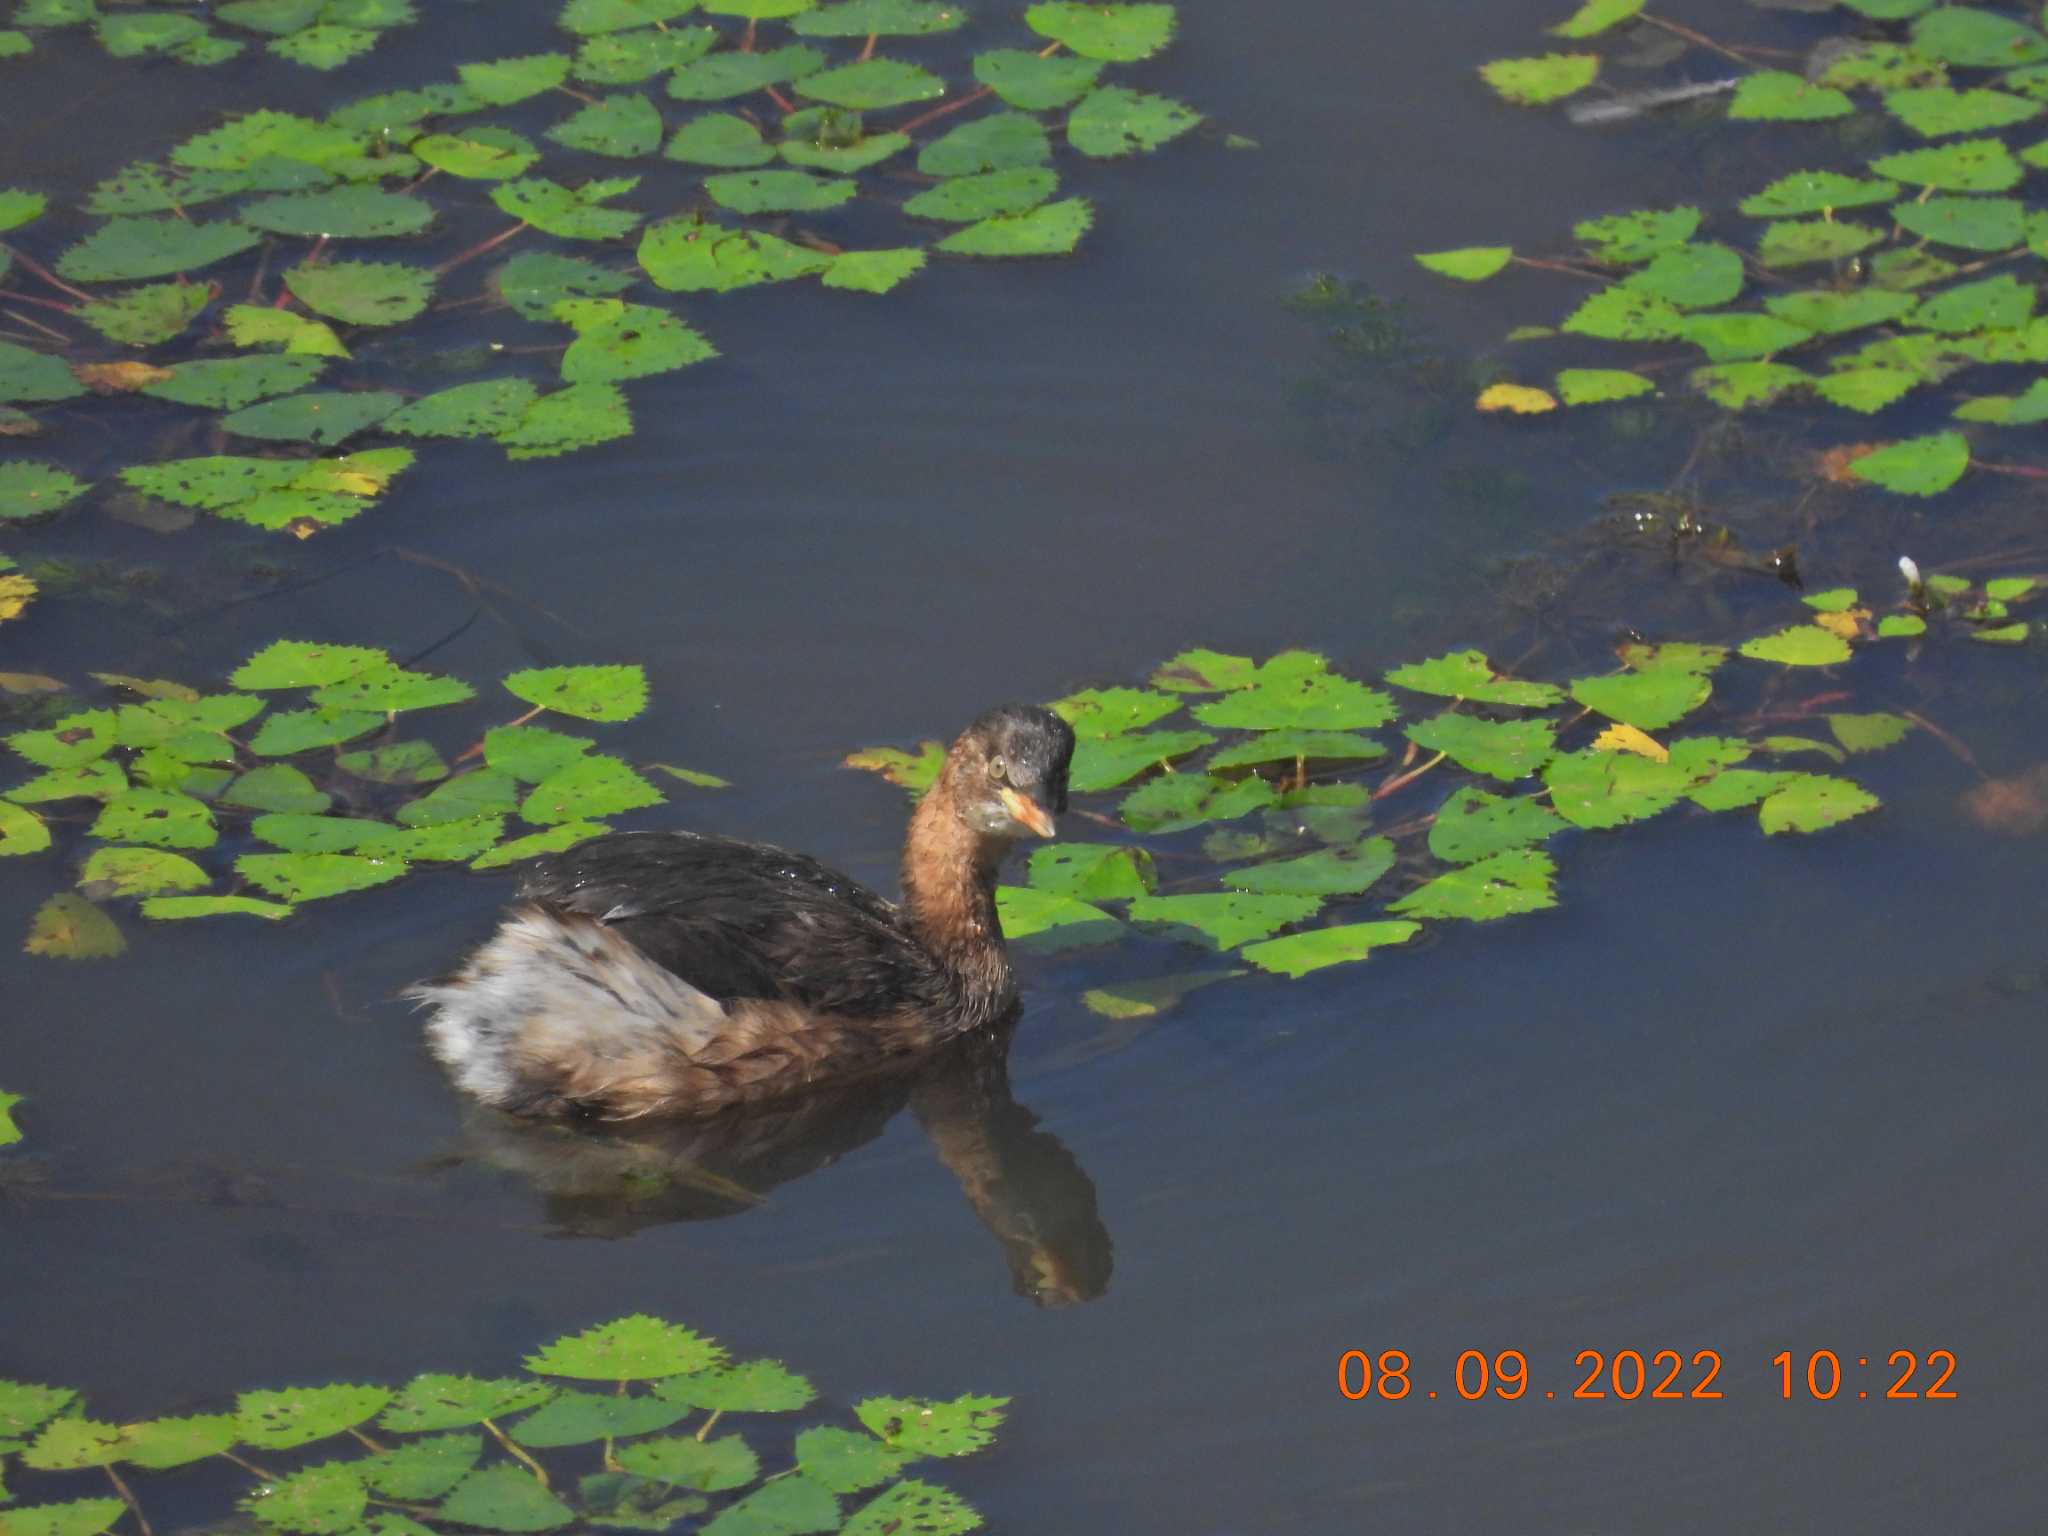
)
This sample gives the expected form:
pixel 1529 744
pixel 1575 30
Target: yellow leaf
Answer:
pixel 118 378
pixel 71 928
pixel 15 591
pixel 1522 399
pixel 149 688
pixel 1626 738
pixel 28 682
pixel 1848 624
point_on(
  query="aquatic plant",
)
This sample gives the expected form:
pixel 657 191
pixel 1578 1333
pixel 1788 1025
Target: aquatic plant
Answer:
pixel 593 1435
pixel 267 272
pixel 303 777
pixel 1879 277
pixel 320 34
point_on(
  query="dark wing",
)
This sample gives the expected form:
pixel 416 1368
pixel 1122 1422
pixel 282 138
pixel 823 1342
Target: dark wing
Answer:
pixel 742 920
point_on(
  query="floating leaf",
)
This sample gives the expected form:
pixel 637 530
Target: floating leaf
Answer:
pixel 1504 750
pixel 161 818
pixel 126 248
pixel 1052 230
pixel 1295 689
pixel 1032 81
pixel 422 1469
pixel 1326 872
pixel 276 787
pixel 588 693
pixel 872 83
pixel 454 1402
pixel 68 927
pixel 926 1428
pixel 1917 466
pixel 1539 81
pixel 79 1517
pixel 778 191
pixel 2003 410
pixel 315 1500
pixel 1520 880
pixel 1112 121
pixel 1469 675
pixel 1973 223
pixel 1935 110
pixel 1731 336
pixel 481 153
pixel 879 18
pixel 1994 303
pixel 1816 192
pixel 1803 645
pixel 137 871
pixel 292 731
pixel 871 271
pixel 1625 239
pixel 637 1348
pixel 553 840
pixel 324 418
pixel 1225 920
pixel 579 416
pixel 504 81
pixel 1969 165
pixel 325 47
pixel 21 831
pixel 616 340
pixel 1813 801
pixel 728 74
pixel 504 1498
pixel 482 409
pixel 146 315
pixel 1474 825
pixel 1092 871
pixel 999 142
pixel 1120 33
pixel 711 1466
pixel 1832 312
pixel 362 292
pixel 28 489
pixel 1469 264
pixel 1663 685
pixel 962 199
pixel 297 877
pixel 1625 314
pixel 1297 954
pixel 694 256
pixel 1105 762
pixel 915 772
pixel 1052 921
pixel 578 1418
pixel 31 377
pixel 622 126
pixel 1779 96
pixel 138 33
pixel 751 1386
pixel 535 283
pixel 1971 38
pixel 346 212
pixel 784 1507
pixel 721 139
pixel 1290 746
pixel 229 383
pixel 255 325
pixel 590 787
pixel 483 792
pixel 1597 386
pixel 627 58
pixel 1519 399
pixel 1145 999
pixel 1802 243
pixel 912 1505
pixel 1865 389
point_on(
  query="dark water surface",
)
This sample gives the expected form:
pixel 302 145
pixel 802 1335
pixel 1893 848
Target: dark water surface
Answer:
pixel 1730 1096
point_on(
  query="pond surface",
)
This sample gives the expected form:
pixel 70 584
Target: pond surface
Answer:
pixel 1732 1095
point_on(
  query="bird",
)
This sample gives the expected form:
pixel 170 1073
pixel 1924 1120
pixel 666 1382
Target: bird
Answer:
pixel 646 974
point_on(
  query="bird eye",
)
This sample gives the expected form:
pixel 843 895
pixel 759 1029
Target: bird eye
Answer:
pixel 997 768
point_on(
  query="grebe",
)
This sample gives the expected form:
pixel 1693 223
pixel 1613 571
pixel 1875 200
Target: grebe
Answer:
pixel 664 973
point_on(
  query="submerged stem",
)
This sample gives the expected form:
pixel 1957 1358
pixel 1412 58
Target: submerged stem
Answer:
pixel 540 1472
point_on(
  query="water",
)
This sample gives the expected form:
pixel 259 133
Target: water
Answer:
pixel 1730 1096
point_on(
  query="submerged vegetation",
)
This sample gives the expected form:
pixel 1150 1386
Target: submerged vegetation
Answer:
pixel 537 1452
pixel 1875 280
pixel 269 272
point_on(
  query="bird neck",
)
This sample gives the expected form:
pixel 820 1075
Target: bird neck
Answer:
pixel 949 885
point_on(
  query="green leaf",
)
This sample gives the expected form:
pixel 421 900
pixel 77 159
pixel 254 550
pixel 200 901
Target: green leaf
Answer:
pixel 1152 996
pixel 390 688
pixel 21 831
pixel 1505 750
pixel 163 1443
pixel 345 213
pixel 1520 880
pixel 404 762
pixel 1972 223
pixel 278 1421
pixel 1326 872
pixel 1802 243
pixel 588 788
pixel 1816 192
pixel 71 741
pixel 627 58
pixel 19 206
pixel 70 1443
pixel 589 17
pixel 1176 801
pixel 325 417
pixel 1691 276
pixel 871 271
pixel 212 483
pixel 1625 314
pixel 325 47
pixel 1728 337
pixel 999 142
pixel 694 256
pixel 137 871
pixel 1865 389
pixel 1970 38
pixel 588 693
pixel 579 416
pixel 879 18
pixel 1223 920
pixel 872 83
pixel 1104 762
pixel 1295 689
pixel 1831 312
pixel 1052 921
pixel 504 1498
pixel 304 664
pixel 31 377
pixel 1802 645
pixel 501 82
pixel 1596 16
pixel 1033 82
pixel 926 1428
pixel 1901 626
pixel 1932 111
pixel 1468 264
pixel 483 152
pixel 1474 825
pixel 916 1506
pixel 1120 33
pixel 2003 410
pixel 67 927
pixel 1539 81
pixel 28 489
pixel 229 383
pixel 297 877
pixel 636 1348
pixel 1663 685
pixel 454 1402
pixel 1597 386
pixel 422 1469
pixel 1112 121
pixel 138 33
pixel 725 75
pixel 535 283
pixel 622 126
pixel 1970 165
pixel 1779 96
pixel 778 191
pixel 721 139
pixel 482 409
pixel 316 1500
pixel 846 1462
pixel 1469 676
pixel 145 315
pixel 161 818
pixel 277 787
pixel 125 248
pixel 362 292
pixel 751 1386
pixel 482 792
pixel 1296 954
pixel 80 1517
pixel 553 840
pixel 790 1506
pixel 1813 801
pixel 530 753
pixel 616 340
pixel 1625 239
pixel 710 1466
pixel 578 1418
pixel 258 325
pixel 1869 733
pixel 1917 466
pixel 1290 746
pixel 1052 230
pixel 1994 303
pixel 962 199
pixel 293 731
pixel 1091 872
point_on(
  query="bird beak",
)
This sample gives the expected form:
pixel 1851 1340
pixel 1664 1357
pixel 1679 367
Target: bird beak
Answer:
pixel 1028 812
